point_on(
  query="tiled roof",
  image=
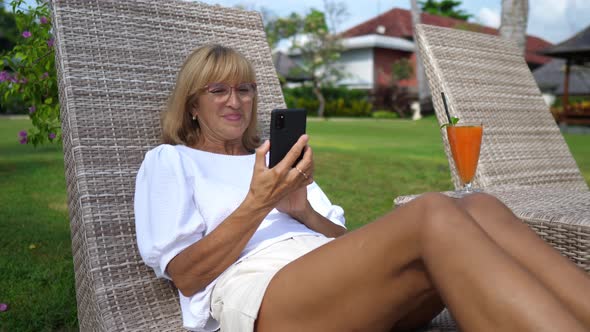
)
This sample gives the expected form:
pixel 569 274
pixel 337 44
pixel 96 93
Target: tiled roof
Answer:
pixel 576 47
pixel 398 23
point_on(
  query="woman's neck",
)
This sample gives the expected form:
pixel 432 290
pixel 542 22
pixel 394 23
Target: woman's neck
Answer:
pixel 234 148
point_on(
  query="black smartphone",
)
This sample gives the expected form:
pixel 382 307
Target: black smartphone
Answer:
pixel 286 126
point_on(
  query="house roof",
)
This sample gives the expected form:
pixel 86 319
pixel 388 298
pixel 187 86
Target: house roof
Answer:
pixel 576 47
pixel 397 22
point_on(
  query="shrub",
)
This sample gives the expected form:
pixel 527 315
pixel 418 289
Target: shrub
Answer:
pixel 385 115
pixel 339 101
pixel 29 85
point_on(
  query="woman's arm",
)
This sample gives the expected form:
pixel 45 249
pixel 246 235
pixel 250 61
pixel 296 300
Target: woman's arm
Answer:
pixel 321 224
pixel 298 207
pixel 200 263
pixel 203 261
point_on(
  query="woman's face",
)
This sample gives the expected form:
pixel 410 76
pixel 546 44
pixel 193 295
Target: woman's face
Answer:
pixel 225 110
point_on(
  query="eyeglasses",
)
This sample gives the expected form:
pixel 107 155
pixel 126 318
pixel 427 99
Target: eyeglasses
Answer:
pixel 221 92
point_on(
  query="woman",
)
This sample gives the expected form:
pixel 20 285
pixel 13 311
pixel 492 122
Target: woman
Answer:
pixel 252 248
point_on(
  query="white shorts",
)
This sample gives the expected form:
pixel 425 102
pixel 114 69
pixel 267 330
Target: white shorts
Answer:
pixel 238 294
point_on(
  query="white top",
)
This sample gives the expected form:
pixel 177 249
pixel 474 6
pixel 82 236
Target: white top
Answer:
pixel 182 194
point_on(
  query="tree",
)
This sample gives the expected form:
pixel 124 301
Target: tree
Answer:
pixel 423 91
pixel 314 43
pixel 515 15
pixel 400 70
pixel 8 31
pixel 289 27
pixel 31 76
pixel 444 8
pixel 8 37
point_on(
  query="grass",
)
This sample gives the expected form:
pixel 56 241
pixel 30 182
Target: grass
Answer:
pixel 36 268
pixel 361 164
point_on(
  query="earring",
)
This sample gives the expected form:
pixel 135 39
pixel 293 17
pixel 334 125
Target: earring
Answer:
pixel 194 117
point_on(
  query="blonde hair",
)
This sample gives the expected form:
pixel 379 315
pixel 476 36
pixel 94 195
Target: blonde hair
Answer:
pixel 207 64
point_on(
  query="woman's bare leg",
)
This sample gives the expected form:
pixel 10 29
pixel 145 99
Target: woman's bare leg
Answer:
pixel 355 283
pixel 370 279
pixel 422 315
pixel 569 283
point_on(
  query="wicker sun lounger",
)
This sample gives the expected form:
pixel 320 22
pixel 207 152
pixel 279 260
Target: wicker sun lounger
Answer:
pixel 117 61
pixel 524 159
pixel 486 79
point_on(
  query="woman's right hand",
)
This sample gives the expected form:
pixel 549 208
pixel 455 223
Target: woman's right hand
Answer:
pixel 203 261
pixel 271 185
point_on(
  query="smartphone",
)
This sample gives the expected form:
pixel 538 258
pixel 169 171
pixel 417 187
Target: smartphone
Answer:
pixel 286 126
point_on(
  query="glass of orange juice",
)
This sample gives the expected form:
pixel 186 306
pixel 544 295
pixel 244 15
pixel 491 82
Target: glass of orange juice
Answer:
pixel 465 143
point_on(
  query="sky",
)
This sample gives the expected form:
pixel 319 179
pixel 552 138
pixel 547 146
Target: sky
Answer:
pixel 552 20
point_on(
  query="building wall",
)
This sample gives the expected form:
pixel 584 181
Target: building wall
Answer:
pixel 370 68
pixel 358 64
pixel 384 58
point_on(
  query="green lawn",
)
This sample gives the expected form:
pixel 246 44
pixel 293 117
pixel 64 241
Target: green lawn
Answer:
pixel 361 164
pixel 36 269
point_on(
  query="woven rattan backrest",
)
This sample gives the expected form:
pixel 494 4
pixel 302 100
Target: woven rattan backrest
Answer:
pixel 486 79
pixel 117 62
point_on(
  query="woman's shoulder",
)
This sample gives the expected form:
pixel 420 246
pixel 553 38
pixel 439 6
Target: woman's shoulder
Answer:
pixel 174 156
pixel 166 157
pixel 162 153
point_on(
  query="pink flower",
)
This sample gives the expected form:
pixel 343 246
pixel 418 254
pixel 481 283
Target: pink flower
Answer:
pixel 27 34
pixel 32 109
pixel 23 137
pixel 3 307
pixel 50 42
pixel 4 76
pixel 43 20
pixel 45 75
pixel 51 136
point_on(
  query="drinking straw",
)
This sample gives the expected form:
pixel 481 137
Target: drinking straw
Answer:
pixel 446 107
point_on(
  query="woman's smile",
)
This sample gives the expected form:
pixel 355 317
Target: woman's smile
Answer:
pixel 233 117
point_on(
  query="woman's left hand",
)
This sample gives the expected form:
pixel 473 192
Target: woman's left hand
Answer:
pixel 296 204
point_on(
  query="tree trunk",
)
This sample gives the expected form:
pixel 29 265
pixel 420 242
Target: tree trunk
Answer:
pixel 423 92
pixel 515 14
pixel 318 93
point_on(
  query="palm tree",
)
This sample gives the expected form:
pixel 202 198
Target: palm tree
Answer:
pixel 420 77
pixel 515 14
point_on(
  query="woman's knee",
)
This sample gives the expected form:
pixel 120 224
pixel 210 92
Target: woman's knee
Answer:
pixel 484 207
pixel 438 207
pixel 479 201
pixel 442 215
pixel 435 200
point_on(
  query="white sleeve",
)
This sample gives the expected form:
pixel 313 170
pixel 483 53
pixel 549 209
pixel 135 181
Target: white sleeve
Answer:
pixel 166 217
pixel 320 202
